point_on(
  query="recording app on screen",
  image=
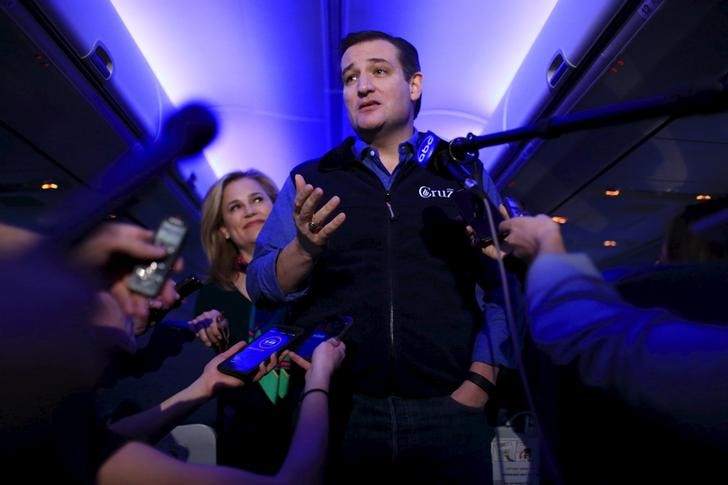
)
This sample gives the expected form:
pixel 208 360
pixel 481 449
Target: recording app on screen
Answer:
pixel 260 349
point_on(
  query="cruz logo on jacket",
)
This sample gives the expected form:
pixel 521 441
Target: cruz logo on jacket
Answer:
pixel 428 193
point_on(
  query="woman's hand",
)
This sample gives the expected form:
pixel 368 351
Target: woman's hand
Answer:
pixel 212 328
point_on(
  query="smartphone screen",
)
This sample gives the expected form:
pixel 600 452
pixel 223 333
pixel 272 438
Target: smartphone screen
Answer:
pixel 331 327
pixel 245 362
pixel 307 347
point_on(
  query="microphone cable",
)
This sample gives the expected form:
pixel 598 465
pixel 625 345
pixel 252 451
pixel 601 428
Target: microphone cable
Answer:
pixel 547 453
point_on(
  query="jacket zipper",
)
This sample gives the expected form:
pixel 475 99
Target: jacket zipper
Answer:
pixel 392 217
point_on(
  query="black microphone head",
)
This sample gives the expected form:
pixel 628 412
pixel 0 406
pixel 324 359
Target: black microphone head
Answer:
pixel 190 129
pixel 458 149
pixel 444 163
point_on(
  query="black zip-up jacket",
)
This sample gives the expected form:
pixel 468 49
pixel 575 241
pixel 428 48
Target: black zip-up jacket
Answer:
pixel 402 266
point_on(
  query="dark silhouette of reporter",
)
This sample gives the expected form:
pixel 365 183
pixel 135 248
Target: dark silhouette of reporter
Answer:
pixel 634 393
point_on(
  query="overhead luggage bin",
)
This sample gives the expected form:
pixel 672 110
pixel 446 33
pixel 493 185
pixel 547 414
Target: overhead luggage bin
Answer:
pixel 561 60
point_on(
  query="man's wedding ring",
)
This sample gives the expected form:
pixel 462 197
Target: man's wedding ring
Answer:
pixel 313 227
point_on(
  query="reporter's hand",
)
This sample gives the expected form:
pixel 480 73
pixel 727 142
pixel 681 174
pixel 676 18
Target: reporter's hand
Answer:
pixel 109 314
pixel 212 380
pixel 327 357
pixel 136 305
pixel 488 250
pixel 334 343
pixel 212 328
pixel 268 365
pixel 169 298
pixel 113 250
pixel 530 236
pixel 299 361
pixel 115 244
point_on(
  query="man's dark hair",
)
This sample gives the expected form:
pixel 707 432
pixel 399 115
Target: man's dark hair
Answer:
pixel 407 53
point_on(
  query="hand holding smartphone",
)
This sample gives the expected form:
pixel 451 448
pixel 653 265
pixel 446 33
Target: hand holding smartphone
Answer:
pixel 244 364
pixel 331 327
pixel 184 289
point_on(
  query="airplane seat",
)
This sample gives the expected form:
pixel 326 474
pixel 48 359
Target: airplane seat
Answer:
pixel 692 291
pixel 194 443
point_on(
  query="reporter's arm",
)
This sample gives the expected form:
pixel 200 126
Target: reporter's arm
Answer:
pixel 140 463
pixel 14 240
pixel 307 454
pixel 112 240
pixel 152 424
pixel 653 359
pixel 529 237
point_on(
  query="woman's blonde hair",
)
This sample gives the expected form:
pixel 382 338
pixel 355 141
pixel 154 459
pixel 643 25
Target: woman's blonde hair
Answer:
pixel 222 253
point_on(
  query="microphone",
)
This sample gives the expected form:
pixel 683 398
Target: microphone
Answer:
pixel 189 130
pixel 712 99
pixel 177 325
pixel 442 162
pixel 429 146
pixel 186 132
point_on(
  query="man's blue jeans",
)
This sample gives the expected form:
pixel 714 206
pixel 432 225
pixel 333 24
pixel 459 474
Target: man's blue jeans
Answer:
pixel 432 440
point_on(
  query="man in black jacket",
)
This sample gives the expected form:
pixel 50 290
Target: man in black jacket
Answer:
pixel 392 253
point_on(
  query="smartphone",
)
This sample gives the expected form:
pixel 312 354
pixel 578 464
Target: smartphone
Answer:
pixel 472 210
pixel 331 327
pixel 244 364
pixel 188 286
pixel 184 289
pixel 148 279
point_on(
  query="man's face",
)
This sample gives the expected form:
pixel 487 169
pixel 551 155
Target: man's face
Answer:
pixel 377 95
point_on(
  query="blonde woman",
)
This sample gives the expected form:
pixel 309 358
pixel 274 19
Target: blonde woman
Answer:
pixel 254 422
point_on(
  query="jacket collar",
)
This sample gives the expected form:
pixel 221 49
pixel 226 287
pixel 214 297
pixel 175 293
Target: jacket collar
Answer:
pixel 342 156
pixel 339 157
